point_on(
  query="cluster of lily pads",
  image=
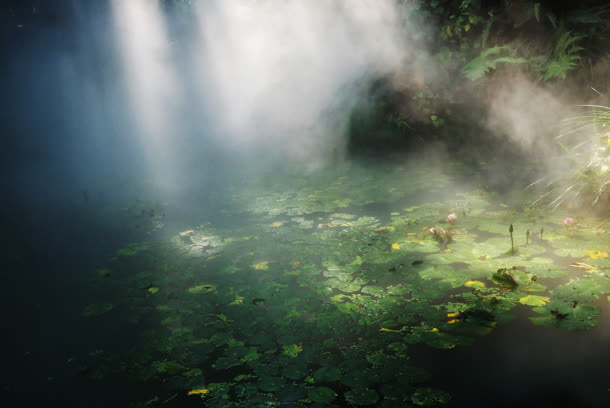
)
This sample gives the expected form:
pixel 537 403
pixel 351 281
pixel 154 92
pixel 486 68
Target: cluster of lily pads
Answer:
pixel 314 301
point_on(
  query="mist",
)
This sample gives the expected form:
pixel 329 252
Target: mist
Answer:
pixel 149 102
pixel 263 146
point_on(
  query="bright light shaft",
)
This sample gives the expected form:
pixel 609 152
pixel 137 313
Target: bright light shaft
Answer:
pixel 275 68
pixel 150 77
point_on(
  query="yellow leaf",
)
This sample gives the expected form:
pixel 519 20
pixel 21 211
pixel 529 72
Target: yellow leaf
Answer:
pixel 198 391
pixel 277 224
pixel 395 245
pixel 597 254
pixel 533 300
pixel 384 329
pixel 475 284
pixel 238 301
pixel 452 314
pixel 434 330
pixel 261 266
pixel 453 321
pixel 186 233
pixel 153 290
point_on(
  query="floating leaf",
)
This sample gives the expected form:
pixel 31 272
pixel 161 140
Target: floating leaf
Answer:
pixel 429 397
pixel 202 289
pixel 261 266
pixel 475 284
pixel 292 350
pixel 362 396
pixel 271 384
pixel 322 395
pixel 533 300
pixel 327 374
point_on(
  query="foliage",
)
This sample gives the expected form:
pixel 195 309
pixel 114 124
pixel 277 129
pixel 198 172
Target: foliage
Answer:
pixel 563 58
pixel 479 66
pixel 586 175
pixel 332 315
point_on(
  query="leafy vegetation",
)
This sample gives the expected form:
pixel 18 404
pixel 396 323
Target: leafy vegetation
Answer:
pixel 327 313
pixel 586 178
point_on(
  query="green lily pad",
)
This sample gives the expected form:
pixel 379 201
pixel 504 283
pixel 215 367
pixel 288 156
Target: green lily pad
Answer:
pixel 348 287
pixel 429 397
pixel 271 384
pixel 362 396
pixel 562 315
pixel 292 350
pixel 322 395
pixel 373 290
pixel 496 227
pixel 327 374
pixel 294 372
pixel 533 300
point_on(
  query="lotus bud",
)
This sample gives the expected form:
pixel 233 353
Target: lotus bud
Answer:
pixel 452 218
pixel 432 231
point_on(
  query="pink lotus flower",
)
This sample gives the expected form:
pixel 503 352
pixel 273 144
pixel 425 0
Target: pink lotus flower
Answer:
pixel 568 221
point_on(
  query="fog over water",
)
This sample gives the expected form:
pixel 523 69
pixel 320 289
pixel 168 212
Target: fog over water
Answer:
pixel 131 120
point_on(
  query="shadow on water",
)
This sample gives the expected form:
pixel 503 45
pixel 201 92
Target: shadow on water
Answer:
pixel 523 365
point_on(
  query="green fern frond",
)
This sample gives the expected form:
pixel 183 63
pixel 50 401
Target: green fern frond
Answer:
pixel 565 44
pixel 559 68
pixel 564 57
pixel 480 66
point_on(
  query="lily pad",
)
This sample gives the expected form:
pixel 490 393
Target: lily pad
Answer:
pixel 271 384
pixel 327 374
pixel 322 395
pixel 361 396
pixel 533 300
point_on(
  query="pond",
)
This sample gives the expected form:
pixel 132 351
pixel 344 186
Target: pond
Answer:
pixel 391 286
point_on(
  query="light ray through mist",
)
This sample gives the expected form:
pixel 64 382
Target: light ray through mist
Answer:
pixel 151 79
pixel 276 70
